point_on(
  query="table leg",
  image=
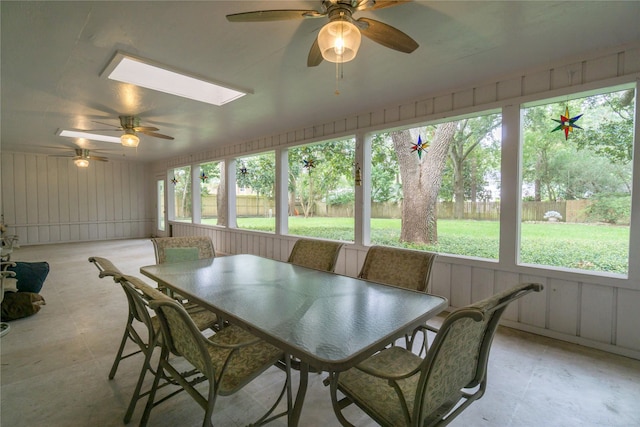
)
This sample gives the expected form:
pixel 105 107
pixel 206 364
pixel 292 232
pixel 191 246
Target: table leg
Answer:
pixel 294 414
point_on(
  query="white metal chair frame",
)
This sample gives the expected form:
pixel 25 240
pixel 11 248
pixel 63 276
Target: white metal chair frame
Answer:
pixel 4 273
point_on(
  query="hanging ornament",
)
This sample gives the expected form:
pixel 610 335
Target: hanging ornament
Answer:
pixel 309 164
pixel 204 177
pixel 358 175
pixel 243 170
pixel 419 147
pixel 567 123
pixel 174 180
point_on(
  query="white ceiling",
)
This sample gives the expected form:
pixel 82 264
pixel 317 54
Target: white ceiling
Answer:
pixel 53 53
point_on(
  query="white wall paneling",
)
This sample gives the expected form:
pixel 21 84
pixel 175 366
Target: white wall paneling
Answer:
pixel 50 200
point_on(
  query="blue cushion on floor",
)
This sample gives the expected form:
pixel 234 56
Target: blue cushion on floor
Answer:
pixel 30 275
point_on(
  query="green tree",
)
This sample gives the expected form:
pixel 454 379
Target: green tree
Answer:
pixel 594 159
pixel 612 135
pixel 385 176
pixel 216 179
pixel 258 174
pixel 466 164
pixel 328 170
pixel 182 192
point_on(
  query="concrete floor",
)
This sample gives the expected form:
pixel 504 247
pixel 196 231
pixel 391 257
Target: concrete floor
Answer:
pixel 55 365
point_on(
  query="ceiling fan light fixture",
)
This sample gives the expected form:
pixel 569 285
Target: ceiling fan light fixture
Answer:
pixel 129 138
pixel 339 41
pixel 81 163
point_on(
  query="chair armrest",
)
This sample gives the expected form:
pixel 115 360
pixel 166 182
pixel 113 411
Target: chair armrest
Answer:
pixel 232 337
pixel 426 328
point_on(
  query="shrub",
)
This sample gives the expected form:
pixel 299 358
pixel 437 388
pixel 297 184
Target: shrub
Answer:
pixel 611 208
pixel 341 198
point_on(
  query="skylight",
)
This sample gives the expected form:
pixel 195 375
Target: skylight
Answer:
pixel 88 135
pixel 140 72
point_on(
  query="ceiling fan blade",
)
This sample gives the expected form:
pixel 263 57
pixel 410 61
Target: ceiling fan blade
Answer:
pixel 101 130
pixel 387 35
pixel 273 15
pixel 144 128
pixel 381 4
pixel 107 124
pixel 315 56
pixel 156 135
pixel 98 158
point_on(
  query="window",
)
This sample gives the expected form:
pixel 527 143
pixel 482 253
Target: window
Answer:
pixel 181 192
pixel 212 194
pixel 255 192
pixel 437 187
pixel 576 189
pixel 160 204
pixel 321 190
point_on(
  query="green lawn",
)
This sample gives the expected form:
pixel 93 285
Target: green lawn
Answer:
pixel 583 246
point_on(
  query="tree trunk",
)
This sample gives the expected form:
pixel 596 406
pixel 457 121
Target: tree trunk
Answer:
pixel 307 205
pixel 292 202
pixel 421 180
pixel 474 187
pixel 458 190
pixel 183 200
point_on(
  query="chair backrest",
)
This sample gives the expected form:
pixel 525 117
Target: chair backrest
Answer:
pixel 189 248
pixel 398 267
pixel 318 254
pixel 181 336
pixel 139 294
pixel 105 267
pixel 458 357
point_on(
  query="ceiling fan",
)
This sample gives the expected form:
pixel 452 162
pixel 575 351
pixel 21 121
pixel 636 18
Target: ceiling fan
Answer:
pixel 339 40
pixel 82 157
pixel 131 126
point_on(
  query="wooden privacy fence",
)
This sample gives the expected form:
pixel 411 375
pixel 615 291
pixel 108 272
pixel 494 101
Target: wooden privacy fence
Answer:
pixel 571 210
pixel 249 205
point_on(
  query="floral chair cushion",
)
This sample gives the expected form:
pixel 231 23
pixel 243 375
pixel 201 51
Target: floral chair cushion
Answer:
pixel 398 267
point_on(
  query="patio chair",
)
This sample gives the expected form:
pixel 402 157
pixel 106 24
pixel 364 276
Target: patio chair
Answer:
pixel 204 318
pixel 7 244
pixel 396 387
pixel 107 269
pixel 405 268
pixel 4 274
pixel 176 249
pixel 139 294
pixel 317 254
pixel 228 360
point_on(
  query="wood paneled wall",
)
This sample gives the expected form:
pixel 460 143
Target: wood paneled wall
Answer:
pixel 50 200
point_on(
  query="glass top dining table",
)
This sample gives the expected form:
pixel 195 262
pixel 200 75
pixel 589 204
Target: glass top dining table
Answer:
pixel 328 321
